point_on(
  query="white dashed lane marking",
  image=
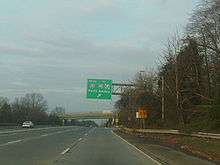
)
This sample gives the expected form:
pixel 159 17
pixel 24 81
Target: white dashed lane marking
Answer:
pixel 44 135
pixel 12 142
pixel 65 151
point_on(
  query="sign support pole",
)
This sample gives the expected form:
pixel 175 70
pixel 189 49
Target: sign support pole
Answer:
pixel 163 106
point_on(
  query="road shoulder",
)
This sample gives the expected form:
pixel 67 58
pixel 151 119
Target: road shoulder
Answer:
pixel 164 154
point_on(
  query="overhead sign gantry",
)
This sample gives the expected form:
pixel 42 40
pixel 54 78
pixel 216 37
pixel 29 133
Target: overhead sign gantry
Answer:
pixel 104 88
pixel 99 89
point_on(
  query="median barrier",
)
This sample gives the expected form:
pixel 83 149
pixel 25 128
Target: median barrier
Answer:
pixel 174 132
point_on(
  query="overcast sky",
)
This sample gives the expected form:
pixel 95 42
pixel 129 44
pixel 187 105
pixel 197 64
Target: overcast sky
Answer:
pixel 53 46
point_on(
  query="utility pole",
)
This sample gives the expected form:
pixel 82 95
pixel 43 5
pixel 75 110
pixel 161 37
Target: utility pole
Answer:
pixel 162 101
pixel 142 74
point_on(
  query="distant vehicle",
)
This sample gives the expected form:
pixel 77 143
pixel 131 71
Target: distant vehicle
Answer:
pixel 27 124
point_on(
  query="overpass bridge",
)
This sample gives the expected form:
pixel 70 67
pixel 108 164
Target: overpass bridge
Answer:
pixel 88 115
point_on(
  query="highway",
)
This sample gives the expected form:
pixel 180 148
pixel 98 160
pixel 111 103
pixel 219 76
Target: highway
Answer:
pixel 69 146
pixel 36 146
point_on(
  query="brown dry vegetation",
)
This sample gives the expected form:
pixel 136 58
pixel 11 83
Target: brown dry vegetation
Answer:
pixel 190 68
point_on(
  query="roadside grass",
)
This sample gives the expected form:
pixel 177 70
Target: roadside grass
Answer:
pixel 205 145
pixel 205 148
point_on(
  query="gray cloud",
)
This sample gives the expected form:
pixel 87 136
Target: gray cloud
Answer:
pixel 53 46
pixel 16 50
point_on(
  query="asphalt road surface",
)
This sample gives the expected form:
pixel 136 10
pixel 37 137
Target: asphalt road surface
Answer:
pixel 69 146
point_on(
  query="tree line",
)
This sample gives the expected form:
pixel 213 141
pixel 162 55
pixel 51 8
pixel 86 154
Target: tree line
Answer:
pixel 32 106
pixel 187 84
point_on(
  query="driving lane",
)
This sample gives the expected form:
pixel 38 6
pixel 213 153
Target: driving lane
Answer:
pixel 37 147
pixel 24 134
pixel 103 147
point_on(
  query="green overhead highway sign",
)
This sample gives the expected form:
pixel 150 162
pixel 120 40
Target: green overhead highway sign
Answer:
pixel 99 89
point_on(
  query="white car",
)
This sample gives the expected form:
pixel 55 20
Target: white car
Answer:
pixel 27 124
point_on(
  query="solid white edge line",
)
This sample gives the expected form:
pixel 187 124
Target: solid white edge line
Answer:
pixel 65 151
pixel 155 161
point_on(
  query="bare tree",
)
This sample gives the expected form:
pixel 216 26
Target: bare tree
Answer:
pixel 32 106
pixel 5 110
pixel 58 110
pixel 204 26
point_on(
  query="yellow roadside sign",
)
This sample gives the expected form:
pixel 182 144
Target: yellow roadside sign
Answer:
pixel 141 113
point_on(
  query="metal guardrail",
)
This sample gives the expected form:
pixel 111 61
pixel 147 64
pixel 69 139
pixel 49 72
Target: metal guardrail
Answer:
pixel 176 132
